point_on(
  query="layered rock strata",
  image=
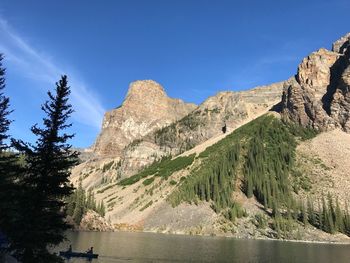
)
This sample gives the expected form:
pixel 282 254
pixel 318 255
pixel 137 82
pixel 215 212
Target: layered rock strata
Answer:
pixel 318 96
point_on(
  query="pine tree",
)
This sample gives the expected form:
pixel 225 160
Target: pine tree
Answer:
pixel 46 182
pixel 9 169
pixel 80 204
pixel 93 202
pixel 4 109
pixel 103 209
pixel 311 212
pixel 99 208
pixel 304 216
pixel 346 220
pixel 339 217
pixel 71 203
pixel 327 219
pixel 5 180
pixel 89 200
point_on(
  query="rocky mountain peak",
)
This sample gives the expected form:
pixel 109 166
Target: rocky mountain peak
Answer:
pixel 144 89
pixel 145 108
pixel 319 95
pixel 341 45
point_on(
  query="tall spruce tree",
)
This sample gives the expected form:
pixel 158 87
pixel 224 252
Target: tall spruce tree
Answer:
pixel 45 181
pixel 9 168
pixel 4 109
pixel 4 127
pixel 80 204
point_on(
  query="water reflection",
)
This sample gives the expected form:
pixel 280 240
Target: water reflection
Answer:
pixel 149 247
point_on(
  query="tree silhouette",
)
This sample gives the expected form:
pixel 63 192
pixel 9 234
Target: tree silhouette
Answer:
pixel 45 181
pixel 9 168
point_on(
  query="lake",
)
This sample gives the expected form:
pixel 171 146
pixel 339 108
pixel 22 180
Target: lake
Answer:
pixel 151 247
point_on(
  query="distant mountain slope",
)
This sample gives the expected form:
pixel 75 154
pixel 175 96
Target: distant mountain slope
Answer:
pixel 204 122
pixel 247 175
pixel 271 175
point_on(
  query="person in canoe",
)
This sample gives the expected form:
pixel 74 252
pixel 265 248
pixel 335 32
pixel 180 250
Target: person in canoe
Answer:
pixel 90 251
pixel 69 249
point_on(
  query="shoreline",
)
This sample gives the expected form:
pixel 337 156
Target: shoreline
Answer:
pixel 228 237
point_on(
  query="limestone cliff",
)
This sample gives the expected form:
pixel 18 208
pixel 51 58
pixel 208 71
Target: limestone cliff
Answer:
pixel 145 109
pixel 130 139
pixel 318 96
pixel 206 121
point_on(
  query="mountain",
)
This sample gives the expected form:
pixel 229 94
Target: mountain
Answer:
pixel 319 96
pixel 279 171
pixel 145 109
pixel 124 149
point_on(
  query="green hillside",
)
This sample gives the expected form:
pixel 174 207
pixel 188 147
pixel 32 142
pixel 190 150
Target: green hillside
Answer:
pixel 259 159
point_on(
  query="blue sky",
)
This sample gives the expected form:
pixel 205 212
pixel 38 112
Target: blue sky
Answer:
pixel 193 48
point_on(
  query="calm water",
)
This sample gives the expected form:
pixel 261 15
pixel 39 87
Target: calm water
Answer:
pixel 149 247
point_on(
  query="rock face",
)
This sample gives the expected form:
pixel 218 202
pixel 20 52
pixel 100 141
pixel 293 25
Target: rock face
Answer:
pixel 94 222
pixel 149 125
pixel 318 96
pixel 206 121
pixel 340 106
pixel 341 44
pixel 138 133
pixel 145 109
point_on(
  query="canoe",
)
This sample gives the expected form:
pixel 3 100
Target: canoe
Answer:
pixel 72 254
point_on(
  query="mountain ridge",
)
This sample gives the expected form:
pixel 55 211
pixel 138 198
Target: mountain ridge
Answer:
pixel 146 107
pixel 136 184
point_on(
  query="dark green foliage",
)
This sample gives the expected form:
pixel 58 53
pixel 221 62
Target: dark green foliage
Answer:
pixel 302 133
pixel 303 213
pixel 215 180
pixel 79 202
pixel 263 151
pixel 234 211
pixel 146 205
pixel 4 109
pixel 10 170
pixel 300 181
pixel 77 205
pixel 150 170
pixel 190 121
pixel 148 181
pixel 339 218
pixel 260 221
pixel 172 182
pixel 101 209
pixel 283 226
pixel 312 217
pixel 270 157
pixel 346 220
pixel 328 217
pixel 134 143
pixel 168 167
pixel 168 137
pixel 164 168
pixel 45 182
pixel 107 166
pixel 105 188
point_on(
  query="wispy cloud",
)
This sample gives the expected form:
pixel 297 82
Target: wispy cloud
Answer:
pixel 33 64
